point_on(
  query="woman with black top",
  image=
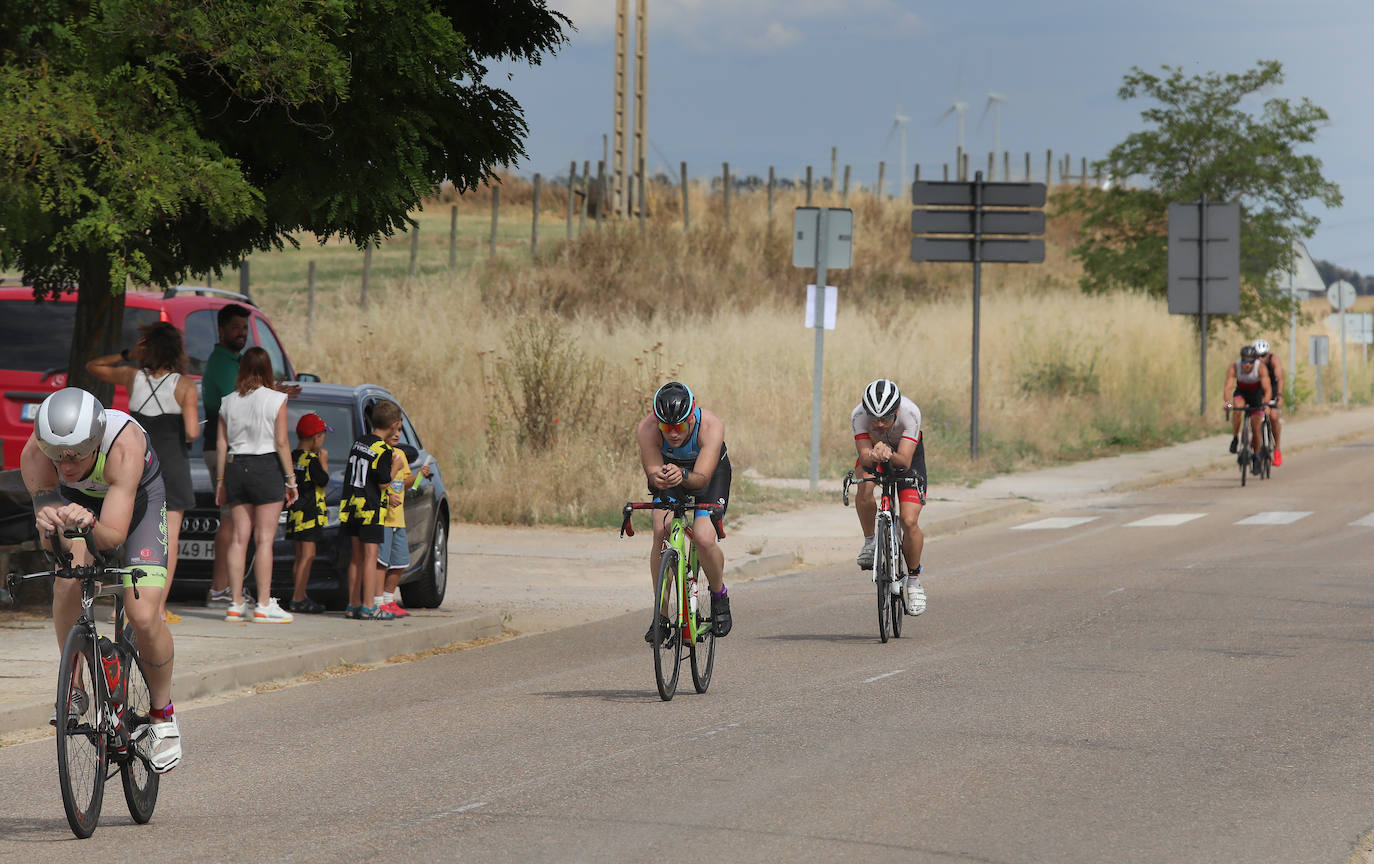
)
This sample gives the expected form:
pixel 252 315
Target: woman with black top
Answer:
pixel 163 401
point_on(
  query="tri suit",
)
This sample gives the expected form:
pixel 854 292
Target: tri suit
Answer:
pixel 684 456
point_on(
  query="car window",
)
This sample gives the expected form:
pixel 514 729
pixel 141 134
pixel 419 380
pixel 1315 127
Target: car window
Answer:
pixel 35 337
pixel 338 417
pixel 268 340
pixel 201 335
pixel 408 432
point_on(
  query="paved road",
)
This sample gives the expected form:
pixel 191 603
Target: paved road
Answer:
pixel 1088 689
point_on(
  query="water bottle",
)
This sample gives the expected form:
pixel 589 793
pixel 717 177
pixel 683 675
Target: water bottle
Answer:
pixel 692 596
pixel 109 662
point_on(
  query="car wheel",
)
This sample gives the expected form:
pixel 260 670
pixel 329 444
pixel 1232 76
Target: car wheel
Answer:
pixel 427 592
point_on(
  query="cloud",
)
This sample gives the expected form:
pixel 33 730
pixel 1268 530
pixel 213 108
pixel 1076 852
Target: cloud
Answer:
pixel 756 26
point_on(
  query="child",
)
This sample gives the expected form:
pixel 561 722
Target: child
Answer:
pixel 307 517
pixel 394 553
pixel 362 510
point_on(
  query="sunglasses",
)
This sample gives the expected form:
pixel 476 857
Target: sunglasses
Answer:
pixel 673 428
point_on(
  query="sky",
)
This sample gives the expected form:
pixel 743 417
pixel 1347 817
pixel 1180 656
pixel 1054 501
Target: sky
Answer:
pixel 779 82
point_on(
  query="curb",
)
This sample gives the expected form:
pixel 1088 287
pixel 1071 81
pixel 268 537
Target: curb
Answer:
pixel 245 673
pixel 764 565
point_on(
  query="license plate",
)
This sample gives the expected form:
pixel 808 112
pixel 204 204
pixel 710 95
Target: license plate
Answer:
pixel 195 550
pixel 28 411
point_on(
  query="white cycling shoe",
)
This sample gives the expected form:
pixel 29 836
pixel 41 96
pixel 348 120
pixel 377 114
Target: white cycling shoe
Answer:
pixel 865 559
pixel 915 596
pixel 159 744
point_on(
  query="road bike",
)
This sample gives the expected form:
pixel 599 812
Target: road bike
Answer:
pixel 102 695
pixel 1267 441
pixel 682 620
pixel 1246 454
pixel 889 566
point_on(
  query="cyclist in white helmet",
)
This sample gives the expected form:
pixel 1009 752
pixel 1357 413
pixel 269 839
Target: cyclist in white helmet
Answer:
pixel 87 466
pixel 887 430
pixel 1271 364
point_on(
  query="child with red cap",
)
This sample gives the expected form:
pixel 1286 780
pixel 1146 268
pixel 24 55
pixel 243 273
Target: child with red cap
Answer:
pixel 306 518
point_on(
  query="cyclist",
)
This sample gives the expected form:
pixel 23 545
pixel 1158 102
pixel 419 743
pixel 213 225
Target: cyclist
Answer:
pixel 887 430
pixel 88 466
pixel 1246 387
pixel 682 449
pixel 1269 363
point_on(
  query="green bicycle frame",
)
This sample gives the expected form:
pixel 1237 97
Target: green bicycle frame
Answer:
pixel 684 552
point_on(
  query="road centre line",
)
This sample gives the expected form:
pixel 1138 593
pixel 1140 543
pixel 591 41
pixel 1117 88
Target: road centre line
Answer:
pixel 882 676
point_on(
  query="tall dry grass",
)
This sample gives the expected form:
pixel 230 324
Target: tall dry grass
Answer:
pixel 527 377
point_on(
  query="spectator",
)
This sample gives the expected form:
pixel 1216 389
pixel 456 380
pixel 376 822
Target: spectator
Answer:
pixel 307 518
pixel 163 402
pixel 255 475
pixel 393 556
pixel 221 374
pixel 362 510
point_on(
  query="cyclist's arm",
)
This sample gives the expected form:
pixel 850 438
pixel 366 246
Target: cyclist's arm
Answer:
pixel 1230 386
pixel 1264 383
pixel 712 440
pixel 905 453
pixel 1276 376
pixel 40 478
pixel 650 442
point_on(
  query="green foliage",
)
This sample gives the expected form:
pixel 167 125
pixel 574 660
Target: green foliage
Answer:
pixel 1060 376
pixel 541 385
pixel 1202 140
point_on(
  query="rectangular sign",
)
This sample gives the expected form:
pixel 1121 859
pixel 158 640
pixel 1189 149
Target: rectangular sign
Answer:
pixel 1221 285
pixel 1359 327
pixel 960 194
pixel 839 249
pixel 994 222
pixel 994 251
pixel 831 303
pixel 1318 351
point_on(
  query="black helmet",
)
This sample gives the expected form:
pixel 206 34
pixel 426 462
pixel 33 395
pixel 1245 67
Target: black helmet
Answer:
pixel 881 398
pixel 1248 353
pixel 70 422
pixel 674 403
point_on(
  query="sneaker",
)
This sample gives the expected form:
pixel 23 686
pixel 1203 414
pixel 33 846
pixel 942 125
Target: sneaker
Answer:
pixel 351 612
pixel 866 553
pixel 395 609
pixel 720 615
pixel 1278 457
pixel 1235 442
pixel 272 613
pixel 215 598
pixel 375 613
pixel 1255 464
pixel 667 625
pixel 78 705
pixel 915 596
pixel 237 614
pixel 159 744
pixel 306 606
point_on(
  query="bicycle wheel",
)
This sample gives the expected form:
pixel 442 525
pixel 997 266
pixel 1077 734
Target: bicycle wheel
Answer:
pixel 81 757
pixel 668 641
pixel 898 609
pixel 882 575
pixel 140 783
pixel 703 651
pixel 1267 447
pixel 1244 453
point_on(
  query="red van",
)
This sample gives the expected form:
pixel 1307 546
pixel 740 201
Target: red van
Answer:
pixel 34 344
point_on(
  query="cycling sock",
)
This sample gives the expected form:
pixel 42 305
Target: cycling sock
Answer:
pixel 162 714
pixel 723 592
pixel 387 597
pixel 868 537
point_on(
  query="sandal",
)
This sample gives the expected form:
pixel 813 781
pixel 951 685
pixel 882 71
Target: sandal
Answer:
pixel 375 613
pixel 306 606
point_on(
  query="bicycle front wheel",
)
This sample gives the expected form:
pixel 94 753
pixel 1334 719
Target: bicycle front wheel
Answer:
pixel 81 757
pixel 703 650
pixel 668 630
pixel 898 573
pixel 140 782
pixel 883 569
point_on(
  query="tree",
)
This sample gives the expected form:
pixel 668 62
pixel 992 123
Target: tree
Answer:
pixel 148 140
pixel 1203 141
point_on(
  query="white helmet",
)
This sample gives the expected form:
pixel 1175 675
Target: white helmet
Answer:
pixel 1261 346
pixel 881 398
pixel 70 423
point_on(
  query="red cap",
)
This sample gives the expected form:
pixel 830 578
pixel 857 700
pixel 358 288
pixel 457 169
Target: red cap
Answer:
pixel 311 424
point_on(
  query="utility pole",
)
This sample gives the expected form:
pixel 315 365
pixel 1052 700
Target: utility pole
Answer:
pixel 641 96
pixel 620 121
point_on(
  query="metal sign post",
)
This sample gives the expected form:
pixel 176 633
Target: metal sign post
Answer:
pixel 1341 294
pixel 1317 355
pixel 823 237
pixel 977 222
pixel 1204 267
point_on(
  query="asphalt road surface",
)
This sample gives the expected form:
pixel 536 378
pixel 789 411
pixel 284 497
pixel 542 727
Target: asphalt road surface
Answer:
pixel 1085 690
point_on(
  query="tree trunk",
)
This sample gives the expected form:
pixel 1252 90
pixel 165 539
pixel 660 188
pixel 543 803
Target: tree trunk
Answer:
pixel 98 329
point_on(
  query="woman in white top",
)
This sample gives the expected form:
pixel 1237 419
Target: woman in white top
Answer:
pixel 256 477
pixel 163 401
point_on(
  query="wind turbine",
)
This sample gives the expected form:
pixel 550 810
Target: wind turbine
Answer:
pixel 994 104
pixel 958 108
pixel 899 124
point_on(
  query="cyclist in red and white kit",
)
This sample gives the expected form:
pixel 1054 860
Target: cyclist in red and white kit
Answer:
pixel 1269 363
pixel 887 430
pixel 1247 386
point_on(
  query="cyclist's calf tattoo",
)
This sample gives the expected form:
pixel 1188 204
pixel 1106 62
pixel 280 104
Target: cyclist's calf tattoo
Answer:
pixel 149 662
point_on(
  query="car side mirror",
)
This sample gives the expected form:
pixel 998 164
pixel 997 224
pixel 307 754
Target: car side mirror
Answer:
pixel 307 376
pixel 411 453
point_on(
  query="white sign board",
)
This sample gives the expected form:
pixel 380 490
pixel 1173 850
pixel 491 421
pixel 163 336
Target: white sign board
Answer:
pixel 839 239
pixel 1359 327
pixel 831 302
pixel 1318 353
pixel 1341 294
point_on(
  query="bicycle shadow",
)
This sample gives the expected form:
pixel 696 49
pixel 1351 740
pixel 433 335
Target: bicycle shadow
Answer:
pixel 29 830
pixel 603 695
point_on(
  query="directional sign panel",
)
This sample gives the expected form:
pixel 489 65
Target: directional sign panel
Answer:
pixel 994 222
pixel 1000 251
pixel 957 194
pixel 1221 285
pixel 839 249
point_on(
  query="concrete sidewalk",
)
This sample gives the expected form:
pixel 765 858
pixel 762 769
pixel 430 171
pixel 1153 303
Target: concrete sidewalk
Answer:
pixel 527 580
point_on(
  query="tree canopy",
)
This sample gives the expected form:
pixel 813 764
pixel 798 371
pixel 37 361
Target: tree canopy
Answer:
pixel 1202 140
pixel 153 139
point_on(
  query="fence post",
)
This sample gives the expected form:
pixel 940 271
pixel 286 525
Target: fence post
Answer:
pixel 414 251
pixel 1083 173
pixel 846 186
pixel 917 177
pixel 600 192
pixel 367 273
pixel 1049 161
pixel 1006 166
pixel 1028 166
pixel 495 212
pixel 946 172
pixel 834 178
pixel 882 186
pixel 453 237
pixel 686 216
pixel 309 301
pixel 586 193
pixel 572 185
pixel 808 185
pixel 770 194
pixel 964 175
pixel 725 185
pixel 534 221
pixel 643 201
pixel 1064 171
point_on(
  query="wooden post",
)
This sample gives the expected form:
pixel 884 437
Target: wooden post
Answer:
pixel 586 193
pixel 309 301
pixel 414 251
pixel 845 194
pixel 808 185
pixel 495 213
pixel 1064 171
pixel 907 192
pixel 725 186
pixel 882 187
pixel 1049 161
pixel 600 192
pixel 686 216
pixel 1006 166
pixel 367 273
pixel 453 237
pixel 1083 172
pixel 643 201
pixel 992 162
pixel 1028 166
pixel 834 179
pixel 946 172
pixel 534 221
pixel 572 185
pixel 964 176
pixel 771 181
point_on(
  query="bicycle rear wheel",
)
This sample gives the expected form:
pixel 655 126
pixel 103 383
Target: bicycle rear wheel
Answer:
pixel 1244 457
pixel 882 574
pixel 703 650
pixel 898 572
pixel 81 757
pixel 668 640
pixel 140 782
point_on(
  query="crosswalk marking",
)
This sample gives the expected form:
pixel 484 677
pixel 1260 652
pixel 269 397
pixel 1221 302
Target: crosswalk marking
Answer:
pixel 1164 520
pixel 1365 521
pixel 1054 523
pixel 1275 517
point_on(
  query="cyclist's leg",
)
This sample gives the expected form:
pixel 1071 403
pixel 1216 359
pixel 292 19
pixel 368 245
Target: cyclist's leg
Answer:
pixel 1237 402
pixel 710 554
pixel 146 549
pixel 1276 423
pixel 911 497
pixel 660 529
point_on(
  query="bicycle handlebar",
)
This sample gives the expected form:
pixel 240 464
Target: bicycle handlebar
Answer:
pixel 64 569
pixel 678 507
pixel 880 475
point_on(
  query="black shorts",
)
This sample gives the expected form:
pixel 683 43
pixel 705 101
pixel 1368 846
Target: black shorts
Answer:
pixel 255 479
pixel 308 535
pixel 365 533
pixel 1254 399
pixel 716 492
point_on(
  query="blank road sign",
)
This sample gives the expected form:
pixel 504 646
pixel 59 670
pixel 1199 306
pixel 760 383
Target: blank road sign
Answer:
pixel 994 194
pixel 839 249
pixel 1221 286
pixel 1000 251
pixel 994 222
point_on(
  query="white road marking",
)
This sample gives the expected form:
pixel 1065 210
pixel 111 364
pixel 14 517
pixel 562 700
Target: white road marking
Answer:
pixel 1365 521
pixel 1054 523
pixel 1275 517
pixel 707 733
pixel 1164 520
pixel 1113 591
pixel 882 676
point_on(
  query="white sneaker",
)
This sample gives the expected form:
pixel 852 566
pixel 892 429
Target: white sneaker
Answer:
pixel 866 553
pixel 272 613
pixel 237 614
pixel 915 596
pixel 159 744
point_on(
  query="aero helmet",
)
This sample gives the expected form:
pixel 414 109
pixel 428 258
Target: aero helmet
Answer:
pixel 1248 353
pixel 70 422
pixel 881 398
pixel 674 403
pixel 1261 347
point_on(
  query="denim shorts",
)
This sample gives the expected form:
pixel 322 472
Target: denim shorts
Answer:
pixel 394 552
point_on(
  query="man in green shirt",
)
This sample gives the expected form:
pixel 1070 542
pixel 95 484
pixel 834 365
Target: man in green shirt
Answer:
pixel 221 371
